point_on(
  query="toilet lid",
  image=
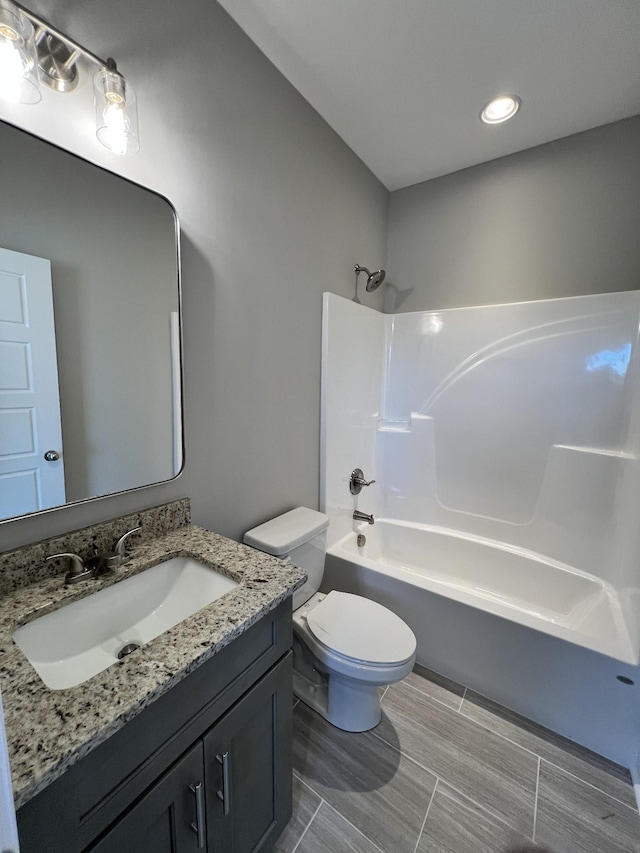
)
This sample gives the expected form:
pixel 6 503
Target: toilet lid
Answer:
pixel 361 629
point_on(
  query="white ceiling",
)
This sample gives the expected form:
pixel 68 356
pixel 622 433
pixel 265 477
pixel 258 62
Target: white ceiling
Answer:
pixel 403 81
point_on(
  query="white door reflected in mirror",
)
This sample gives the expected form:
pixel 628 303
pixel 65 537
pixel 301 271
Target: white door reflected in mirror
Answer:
pixel 31 464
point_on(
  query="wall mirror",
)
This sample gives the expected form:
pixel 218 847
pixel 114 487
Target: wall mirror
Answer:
pixel 90 376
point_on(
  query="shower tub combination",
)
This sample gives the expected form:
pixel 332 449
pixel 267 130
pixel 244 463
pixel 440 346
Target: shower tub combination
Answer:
pixel 505 446
pixel 507 581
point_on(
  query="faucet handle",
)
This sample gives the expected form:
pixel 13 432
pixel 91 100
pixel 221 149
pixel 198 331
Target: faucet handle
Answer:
pixel 121 549
pixel 78 569
pixel 357 481
pixel 76 563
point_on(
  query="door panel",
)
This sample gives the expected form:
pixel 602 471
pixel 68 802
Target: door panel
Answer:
pixel 250 803
pixel 29 398
pixel 164 819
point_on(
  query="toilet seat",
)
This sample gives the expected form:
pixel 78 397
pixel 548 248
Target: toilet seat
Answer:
pixel 361 630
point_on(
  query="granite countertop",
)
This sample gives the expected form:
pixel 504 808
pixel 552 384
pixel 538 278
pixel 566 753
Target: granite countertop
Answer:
pixel 49 730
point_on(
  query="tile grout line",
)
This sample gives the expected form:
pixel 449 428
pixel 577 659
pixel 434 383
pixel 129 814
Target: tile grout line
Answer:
pixel 589 784
pixel 493 815
pixel 520 746
pixel 328 804
pixel 462 698
pixel 535 802
pixel 433 793
pixel 461 711
pixel 549 742
pixel 551 763
pixel 500 735
pixel 304 831
pixel 512 742
pixel 490 814
pixel 472 721
pixel 429 696
pixel 353 826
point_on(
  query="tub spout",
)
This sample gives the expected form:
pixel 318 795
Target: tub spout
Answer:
pixel 362 516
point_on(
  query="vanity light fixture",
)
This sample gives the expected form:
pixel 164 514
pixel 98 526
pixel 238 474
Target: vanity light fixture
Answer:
pixel 500 109
pixel 18 57
pixel 32 51
pixel 116 110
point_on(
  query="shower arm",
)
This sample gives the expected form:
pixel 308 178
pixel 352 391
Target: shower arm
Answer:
pixel 358 269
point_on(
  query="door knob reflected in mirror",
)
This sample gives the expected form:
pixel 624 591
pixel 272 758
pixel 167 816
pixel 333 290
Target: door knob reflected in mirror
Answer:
pixel 52 456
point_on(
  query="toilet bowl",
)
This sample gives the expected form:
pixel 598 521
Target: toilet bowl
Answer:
pixel 345 646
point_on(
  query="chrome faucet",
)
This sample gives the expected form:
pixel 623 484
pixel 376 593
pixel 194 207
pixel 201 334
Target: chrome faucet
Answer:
pixel 362 516
pixel 95 566
pixel 119 556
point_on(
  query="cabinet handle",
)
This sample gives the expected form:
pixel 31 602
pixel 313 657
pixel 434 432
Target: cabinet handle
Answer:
pixel 198 826
pixel 226 781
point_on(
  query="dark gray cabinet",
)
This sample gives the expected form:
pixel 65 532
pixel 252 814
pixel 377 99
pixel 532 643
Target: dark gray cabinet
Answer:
pixel 167 818
pixel 248 799
pixel 207 767
pixel 227 794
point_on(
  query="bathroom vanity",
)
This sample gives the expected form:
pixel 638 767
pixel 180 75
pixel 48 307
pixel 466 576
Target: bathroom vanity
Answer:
pixel 206 767
pixel 184 745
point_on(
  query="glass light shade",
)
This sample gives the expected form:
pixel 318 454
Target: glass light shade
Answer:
pixel 18 57
pixel 116 112
pixel 500 109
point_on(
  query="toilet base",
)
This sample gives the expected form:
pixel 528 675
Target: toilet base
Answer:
pixel 346 704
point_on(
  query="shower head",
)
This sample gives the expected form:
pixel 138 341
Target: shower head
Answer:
pixel 374 279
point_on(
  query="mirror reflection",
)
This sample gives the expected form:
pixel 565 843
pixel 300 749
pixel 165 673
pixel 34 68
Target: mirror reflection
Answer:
pixel 89 330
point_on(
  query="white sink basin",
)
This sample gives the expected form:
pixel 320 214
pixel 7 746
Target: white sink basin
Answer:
pixel 70 645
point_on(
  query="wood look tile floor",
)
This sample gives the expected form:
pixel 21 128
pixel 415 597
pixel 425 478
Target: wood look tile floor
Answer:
pixel 448 771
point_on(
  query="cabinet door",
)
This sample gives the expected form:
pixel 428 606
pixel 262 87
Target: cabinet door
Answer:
pixel 168 818
pixel 247 758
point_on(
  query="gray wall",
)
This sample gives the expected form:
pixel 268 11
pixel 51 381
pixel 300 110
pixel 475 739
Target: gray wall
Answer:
pixel 274 210
pixel 559 220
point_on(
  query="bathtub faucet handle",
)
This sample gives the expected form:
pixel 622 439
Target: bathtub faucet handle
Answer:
pixel 357 481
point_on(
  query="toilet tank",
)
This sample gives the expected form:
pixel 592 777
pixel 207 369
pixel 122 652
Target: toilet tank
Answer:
pixel 300 537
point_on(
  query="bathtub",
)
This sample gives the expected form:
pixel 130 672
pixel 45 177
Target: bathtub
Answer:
pixel 513 583
pixel 532 634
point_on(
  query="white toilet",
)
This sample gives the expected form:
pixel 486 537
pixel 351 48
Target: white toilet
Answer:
pixel 345 646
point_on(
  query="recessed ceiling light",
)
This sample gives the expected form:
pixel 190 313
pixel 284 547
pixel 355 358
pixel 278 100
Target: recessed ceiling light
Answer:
pixel 500 109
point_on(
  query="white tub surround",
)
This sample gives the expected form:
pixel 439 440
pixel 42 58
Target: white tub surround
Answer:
pixel 504 442
pixel 515 427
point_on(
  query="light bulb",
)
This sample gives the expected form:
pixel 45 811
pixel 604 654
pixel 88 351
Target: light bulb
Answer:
pixel 11 72
pixel 116 127
pixel 116 112
pixel 18 65
pixel 500 109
